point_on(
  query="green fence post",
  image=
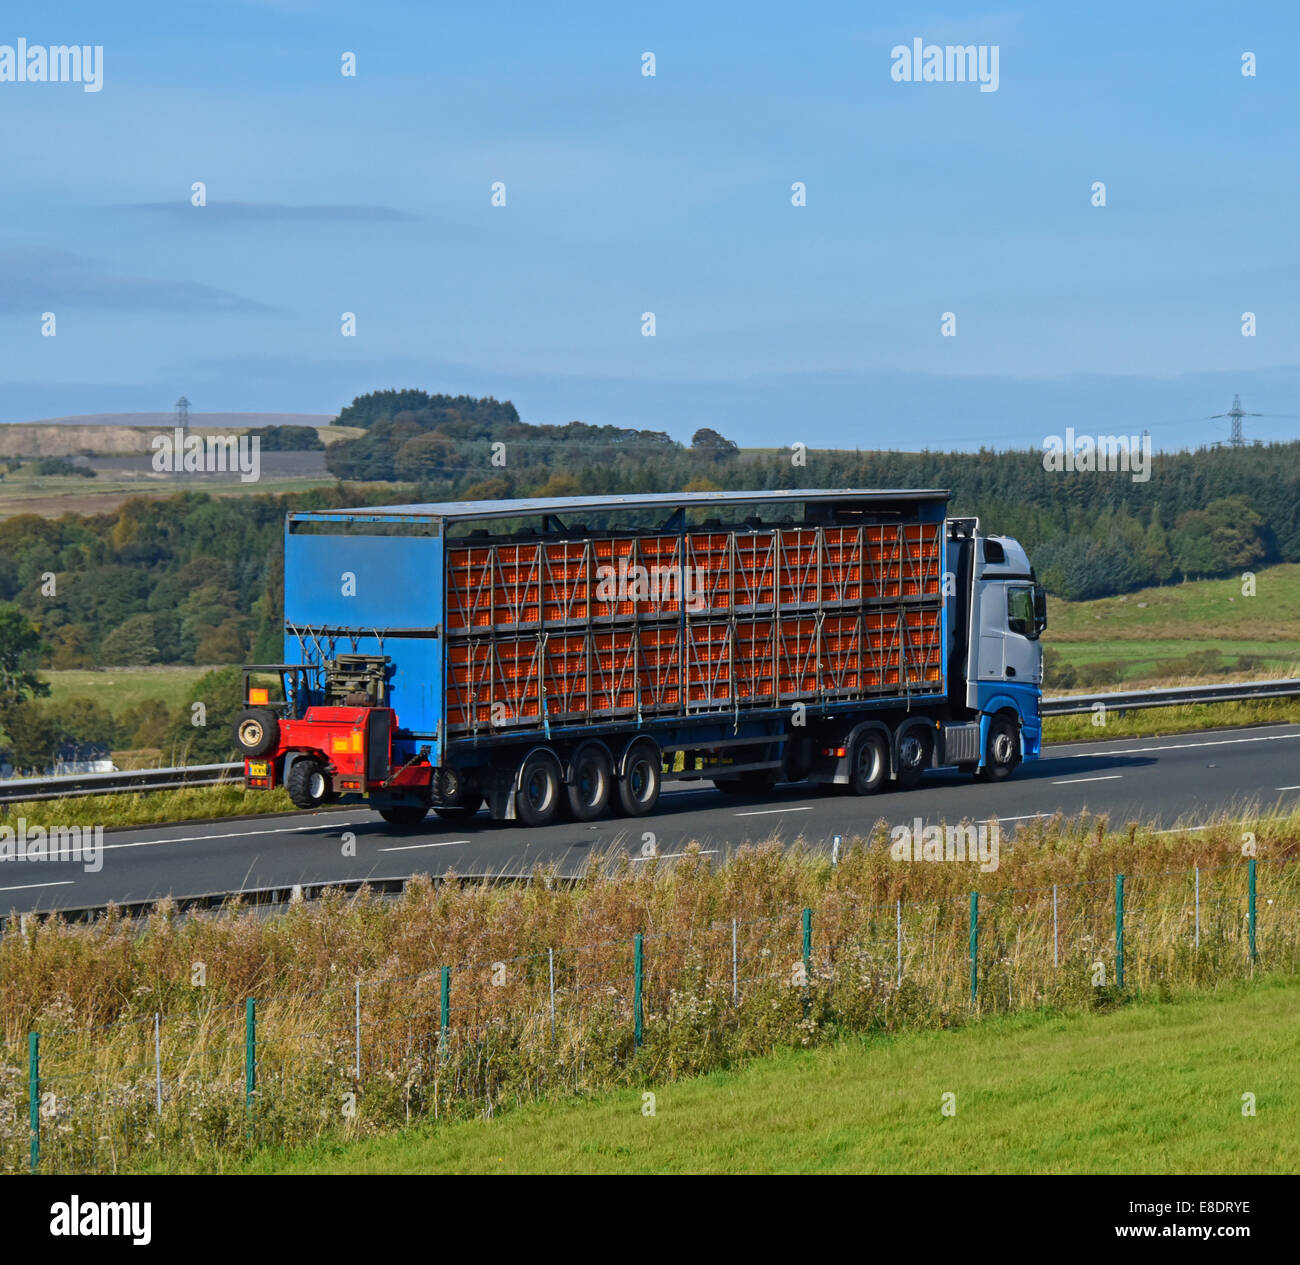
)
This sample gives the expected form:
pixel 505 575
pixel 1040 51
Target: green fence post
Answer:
pixel 250 1059
pixel 444 1014
pixel 34 1095
pixel 807 943
pixel 1251 910
pixel 974 944
pixel 1119 930
pixel 638 982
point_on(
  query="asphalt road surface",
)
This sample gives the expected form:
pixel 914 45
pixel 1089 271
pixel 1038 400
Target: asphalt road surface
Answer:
pixel 1177 781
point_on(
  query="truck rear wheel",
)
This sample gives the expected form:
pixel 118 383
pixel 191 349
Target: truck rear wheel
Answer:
pixel 537 799
pixel 914 753
pixel 870 769
pixel 592 786
pixel 308 784
pixel 638 788
pixel 257 732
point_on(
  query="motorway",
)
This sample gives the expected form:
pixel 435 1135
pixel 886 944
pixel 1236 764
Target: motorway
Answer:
pixel 1183 780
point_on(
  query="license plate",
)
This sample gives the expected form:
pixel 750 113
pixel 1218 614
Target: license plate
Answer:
pixel 257 768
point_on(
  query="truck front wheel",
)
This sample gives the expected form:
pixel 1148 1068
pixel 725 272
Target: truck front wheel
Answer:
pixel 1003 752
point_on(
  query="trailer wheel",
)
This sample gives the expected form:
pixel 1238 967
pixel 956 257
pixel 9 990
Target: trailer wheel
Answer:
pixel 1003 752
pixel 308 784
pixel 638 788
pixel 870 769
pixel 462 810
pixel 914 756
pixel 257 732
pixel 538 798
pixel 592 786
pixel 405 814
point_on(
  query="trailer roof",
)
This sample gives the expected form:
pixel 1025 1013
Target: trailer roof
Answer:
pixel 463 510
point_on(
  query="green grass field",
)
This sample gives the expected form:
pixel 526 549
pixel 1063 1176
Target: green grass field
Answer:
pixel 120 688
pixel 1150 1088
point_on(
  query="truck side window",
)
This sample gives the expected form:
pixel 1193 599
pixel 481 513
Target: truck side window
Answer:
pixel 1020 612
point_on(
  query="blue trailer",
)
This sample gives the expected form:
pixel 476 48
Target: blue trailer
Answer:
pixel 568 655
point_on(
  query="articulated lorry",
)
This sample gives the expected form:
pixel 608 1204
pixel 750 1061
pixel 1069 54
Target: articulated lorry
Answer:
pixel 567 656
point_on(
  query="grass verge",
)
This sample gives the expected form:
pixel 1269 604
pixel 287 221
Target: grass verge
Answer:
pixel 1150 1088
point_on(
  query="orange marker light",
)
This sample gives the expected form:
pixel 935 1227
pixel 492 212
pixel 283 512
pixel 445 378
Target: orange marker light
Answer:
pixel 259 696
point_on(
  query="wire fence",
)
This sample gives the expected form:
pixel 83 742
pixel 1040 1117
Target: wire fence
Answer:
pixel 201 1089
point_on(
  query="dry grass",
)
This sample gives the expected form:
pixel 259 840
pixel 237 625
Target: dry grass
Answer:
pixel 93 991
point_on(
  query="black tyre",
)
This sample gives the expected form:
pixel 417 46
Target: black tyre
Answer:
pixel 405 815
pixel 592 786
pixel 537 799
pixel 638 788
pixel 1003 751
pixel 308 784
pixel 462 810
pixel 914 752
pixel 257 732
pixel 869 770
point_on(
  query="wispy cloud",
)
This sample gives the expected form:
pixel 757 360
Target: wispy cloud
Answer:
pixel 34 278
pixel 248 211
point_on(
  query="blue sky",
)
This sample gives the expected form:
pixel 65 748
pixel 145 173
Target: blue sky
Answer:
pixel 671 194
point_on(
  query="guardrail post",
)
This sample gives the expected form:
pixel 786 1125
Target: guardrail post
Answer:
pixel 34 1097
pixel 250 1060
pixel 444 1008
pixel 638 980
pixel 1250 921
pixel 974 944
pixel 1119 930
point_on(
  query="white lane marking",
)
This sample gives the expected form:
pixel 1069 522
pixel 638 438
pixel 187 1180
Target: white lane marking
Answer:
pixel 23 887
pixel 663 856
pixel 1177 746
pixel 1180 830
pixel 1074 781
pixel 767 812
pixel 410 847
pixel 1289 788
pixel 1025 817
pixel 229 834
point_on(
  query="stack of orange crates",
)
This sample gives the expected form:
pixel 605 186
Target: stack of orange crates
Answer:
pixel 711 620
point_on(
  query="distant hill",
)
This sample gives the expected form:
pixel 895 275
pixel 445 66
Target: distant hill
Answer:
pixel 154 420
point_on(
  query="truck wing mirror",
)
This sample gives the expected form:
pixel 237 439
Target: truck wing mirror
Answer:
pixel 1040 610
